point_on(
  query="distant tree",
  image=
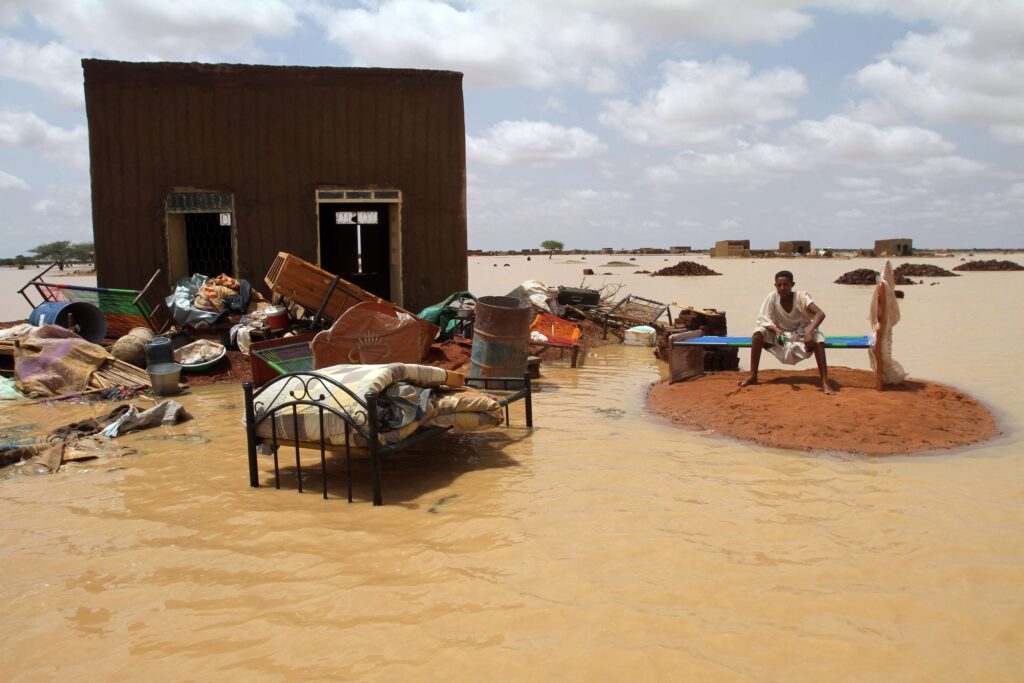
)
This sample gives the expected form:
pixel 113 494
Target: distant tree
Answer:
pixel 552 246
pixel 58 252
pixel 84 252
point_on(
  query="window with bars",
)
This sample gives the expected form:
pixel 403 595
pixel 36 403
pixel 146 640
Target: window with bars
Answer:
pixel 208 243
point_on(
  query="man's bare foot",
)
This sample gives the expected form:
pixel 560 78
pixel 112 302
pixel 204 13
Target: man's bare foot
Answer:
pixel 748 381
pixel 827 388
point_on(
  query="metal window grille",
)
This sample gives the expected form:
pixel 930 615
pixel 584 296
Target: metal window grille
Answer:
pixel 208 244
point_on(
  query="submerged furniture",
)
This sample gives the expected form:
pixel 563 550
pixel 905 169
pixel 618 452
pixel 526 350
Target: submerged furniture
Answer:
pixel 561 334
pixel 329 398
pixel 281 356
pixel 636 310
pixel 686 356
pixel 123 309
pixel 328 295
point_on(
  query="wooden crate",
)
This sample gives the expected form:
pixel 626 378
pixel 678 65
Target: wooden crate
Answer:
pixel 303 283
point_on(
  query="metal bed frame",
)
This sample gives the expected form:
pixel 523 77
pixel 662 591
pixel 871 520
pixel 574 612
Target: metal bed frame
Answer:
pixel 315 390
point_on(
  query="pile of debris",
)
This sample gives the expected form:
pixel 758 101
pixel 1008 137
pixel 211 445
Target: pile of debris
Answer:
pixel 991 265
pixel 921 270
pixel 685 268
pixel 866 276
pixel 711 323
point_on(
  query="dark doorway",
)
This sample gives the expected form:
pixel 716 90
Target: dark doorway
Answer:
pixel 208 243
pixel 355 243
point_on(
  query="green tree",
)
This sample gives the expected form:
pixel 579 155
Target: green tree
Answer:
pixel 83 252
pixel 58 252
pixel 552 246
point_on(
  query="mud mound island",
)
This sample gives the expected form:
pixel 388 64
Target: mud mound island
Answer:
pixel 922 270
pixel 992 265
pixel 788 410
pixel 687 268
pixel 866 276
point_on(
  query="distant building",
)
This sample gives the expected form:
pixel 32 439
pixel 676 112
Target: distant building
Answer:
pixel 895 247
pixel 731 249
pixel 795 247
pixel 679 250
pixel 607 250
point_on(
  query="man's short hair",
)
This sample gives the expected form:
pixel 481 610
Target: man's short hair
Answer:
pixel 785 273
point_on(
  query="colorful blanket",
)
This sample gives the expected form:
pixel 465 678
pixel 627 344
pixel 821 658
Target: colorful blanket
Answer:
pixel 411 397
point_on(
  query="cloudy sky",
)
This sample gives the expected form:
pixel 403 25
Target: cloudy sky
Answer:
pixel 618 123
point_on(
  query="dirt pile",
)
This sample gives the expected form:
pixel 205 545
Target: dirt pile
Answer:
pixel 991 265
pixel 866 276
pixel 921 270
pixel 687 268
pixel 788 410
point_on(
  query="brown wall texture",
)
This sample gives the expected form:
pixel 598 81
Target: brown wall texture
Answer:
pixel 271 136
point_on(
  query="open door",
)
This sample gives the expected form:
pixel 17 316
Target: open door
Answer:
pixel 355 243
pixel 200 234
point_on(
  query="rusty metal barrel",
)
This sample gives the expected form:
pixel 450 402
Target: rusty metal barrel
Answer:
pixel 501 336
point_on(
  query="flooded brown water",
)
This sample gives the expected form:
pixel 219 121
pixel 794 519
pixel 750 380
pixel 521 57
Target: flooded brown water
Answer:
pixel 604 544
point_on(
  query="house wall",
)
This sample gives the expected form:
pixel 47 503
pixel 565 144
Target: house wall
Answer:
pixel 795 247
pixel 894 247
pixel 731 249
pixel 271 136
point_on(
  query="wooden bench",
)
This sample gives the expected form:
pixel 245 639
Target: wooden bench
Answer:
pixel 686 350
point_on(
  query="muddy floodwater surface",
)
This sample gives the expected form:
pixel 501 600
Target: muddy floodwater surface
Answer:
pixel 605 544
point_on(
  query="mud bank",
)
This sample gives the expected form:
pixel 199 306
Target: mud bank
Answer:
pixel 788 410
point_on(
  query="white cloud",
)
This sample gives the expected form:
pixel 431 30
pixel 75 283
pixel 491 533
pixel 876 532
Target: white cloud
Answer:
pixel 531 44
pixel 944 167
pixel 952 76
pixel 841 139
pixel 1011 135
pixel 12 182
pixel 532 142
pixel 25 129
pixel 731 21
pixel 702 103
pixel 52 66
pixel 857 183
pixel 850 213
pixel 155 29
pixel 753 163
pixel 1001 22
pixel 65 201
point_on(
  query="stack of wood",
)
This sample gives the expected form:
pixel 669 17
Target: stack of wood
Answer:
pixel 711 323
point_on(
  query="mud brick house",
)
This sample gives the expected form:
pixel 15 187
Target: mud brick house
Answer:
pixel 215 168
pixel 894 247
pixel 795 247
pixel 731 249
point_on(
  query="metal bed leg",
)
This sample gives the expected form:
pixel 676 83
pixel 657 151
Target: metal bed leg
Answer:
pixel 529 399
pixel 371 407
pixel 250 434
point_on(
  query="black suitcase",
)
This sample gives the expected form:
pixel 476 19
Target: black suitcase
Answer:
pixel 576 296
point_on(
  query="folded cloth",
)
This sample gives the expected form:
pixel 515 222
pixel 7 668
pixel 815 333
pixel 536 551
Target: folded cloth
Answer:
pixel 51 360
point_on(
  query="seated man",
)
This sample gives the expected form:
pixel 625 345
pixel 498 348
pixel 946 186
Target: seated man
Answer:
pixel 787 325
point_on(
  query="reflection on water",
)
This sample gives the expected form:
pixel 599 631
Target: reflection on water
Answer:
pixel 604 544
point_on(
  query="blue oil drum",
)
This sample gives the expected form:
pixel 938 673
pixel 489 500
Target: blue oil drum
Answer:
pixel 85 320
pixel 159 350
pixel 501 337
